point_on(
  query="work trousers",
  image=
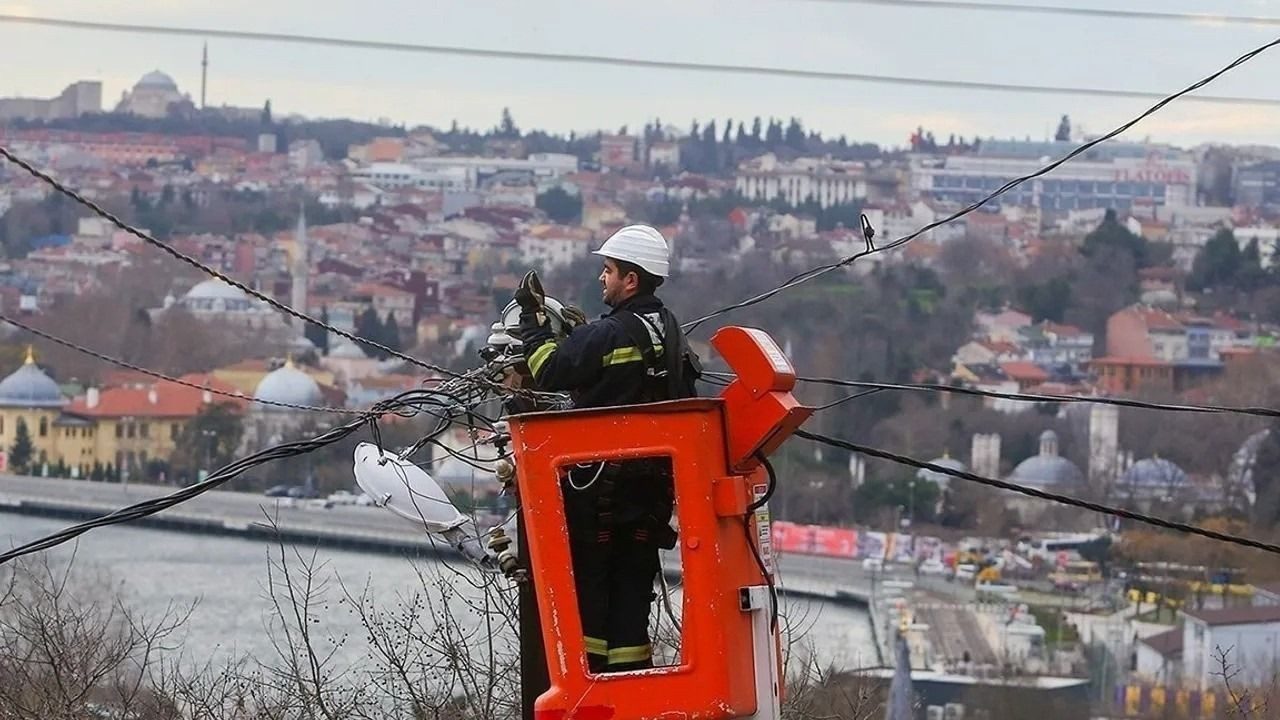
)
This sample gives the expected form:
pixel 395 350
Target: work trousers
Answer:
pixel 616 526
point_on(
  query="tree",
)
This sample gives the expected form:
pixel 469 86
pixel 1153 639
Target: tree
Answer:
pixel 794 136
pixel 391 332
pixel 507 126
pixel 773 135
pixel 755 132
pixel 318 335
pixel 1048 300
pixel 1064 130
pixel 560 205
pixel 208 441
pixel 369 326
pixel 266 114
pixel 21 451
pixel 1111 234
pixel 1217 262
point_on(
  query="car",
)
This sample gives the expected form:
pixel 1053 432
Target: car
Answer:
pixel 933 566
pixel 343 497
pixel 364 500
pixel 277 491
pixel 303 492
pixel 966 571
pixel 872 564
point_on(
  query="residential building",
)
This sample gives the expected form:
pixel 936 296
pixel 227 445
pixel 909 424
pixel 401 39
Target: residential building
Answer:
pixel 664 154
pixel 1248 638
pixel 1148 332
pixel 1056 344
pixel 135 424
pixel 1258 185
pixel 822 180
pixel 387 176
pixel 77 99
pixel 1114 175
pixel 552 246
pixel 1003 326
pixel 618 152
pixel 1126 374
pixel 1158 658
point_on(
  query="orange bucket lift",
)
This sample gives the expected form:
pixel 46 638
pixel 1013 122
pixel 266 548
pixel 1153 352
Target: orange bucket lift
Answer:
pixel 729 657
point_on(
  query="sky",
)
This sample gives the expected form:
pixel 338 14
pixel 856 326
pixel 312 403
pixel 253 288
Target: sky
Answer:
pixel 411 88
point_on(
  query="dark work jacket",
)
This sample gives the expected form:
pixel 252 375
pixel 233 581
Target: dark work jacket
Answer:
pixel 599 363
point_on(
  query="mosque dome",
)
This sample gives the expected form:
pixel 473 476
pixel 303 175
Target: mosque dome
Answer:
pixel 343 349
pixel 937 478
pixel 1154 472
pixel 156 80
pixel 1048 468
pixel 30 387
pixel 288 384
pixel 214 289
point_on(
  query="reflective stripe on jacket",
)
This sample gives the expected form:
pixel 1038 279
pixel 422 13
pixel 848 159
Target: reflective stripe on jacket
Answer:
pixel 598 363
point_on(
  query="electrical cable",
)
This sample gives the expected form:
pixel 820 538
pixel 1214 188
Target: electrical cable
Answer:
pixel 722 378
pixel 168 378
pixel 847 398
pixel 7 154
pixel 871 248
pixel 404 401
pixel 1042 494
pixel 1048 398
pixel 612 60
pixel 752 540
pixel 1109 13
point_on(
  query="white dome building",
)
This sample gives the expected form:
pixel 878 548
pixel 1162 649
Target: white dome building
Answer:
pixel 215 300
pixel 152 96
pixel 270 424
pixel 937 478
pixel 1152 479
pixel 1048 469
pixel 287 384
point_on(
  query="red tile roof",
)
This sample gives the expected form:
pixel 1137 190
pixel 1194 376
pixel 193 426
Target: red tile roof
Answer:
pixel 1024 371
pixel 170 401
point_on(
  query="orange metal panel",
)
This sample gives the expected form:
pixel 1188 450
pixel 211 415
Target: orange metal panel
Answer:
pixel 715 676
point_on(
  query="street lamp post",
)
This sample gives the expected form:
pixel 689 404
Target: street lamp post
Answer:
pixel 211 437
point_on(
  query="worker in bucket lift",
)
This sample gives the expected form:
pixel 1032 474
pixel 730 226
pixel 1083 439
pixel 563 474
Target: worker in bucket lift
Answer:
pixel 618 513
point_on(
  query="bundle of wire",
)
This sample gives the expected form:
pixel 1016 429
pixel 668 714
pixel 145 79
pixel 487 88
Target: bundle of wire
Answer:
pixel 463 394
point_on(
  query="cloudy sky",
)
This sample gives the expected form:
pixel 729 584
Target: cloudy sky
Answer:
pixel 414 88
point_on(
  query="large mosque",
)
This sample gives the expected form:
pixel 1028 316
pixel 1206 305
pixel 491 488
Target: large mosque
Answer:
pixel 155 95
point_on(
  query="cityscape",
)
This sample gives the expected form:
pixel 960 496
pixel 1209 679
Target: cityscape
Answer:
pixel 1106 333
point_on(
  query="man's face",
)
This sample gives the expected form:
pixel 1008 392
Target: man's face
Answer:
pixel 614 286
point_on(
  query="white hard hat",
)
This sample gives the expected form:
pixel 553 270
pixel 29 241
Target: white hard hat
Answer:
pixel 639 244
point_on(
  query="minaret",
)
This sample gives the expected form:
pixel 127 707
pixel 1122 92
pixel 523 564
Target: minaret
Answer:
pixel 204 74
pixel 301 270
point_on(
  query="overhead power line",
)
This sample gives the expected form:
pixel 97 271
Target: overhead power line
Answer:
pixel 617 61
pixel 872 249
pixel 168 378
pixel 1042 494
pixel 1049 398
pixel 1113 14
pixel 407 402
